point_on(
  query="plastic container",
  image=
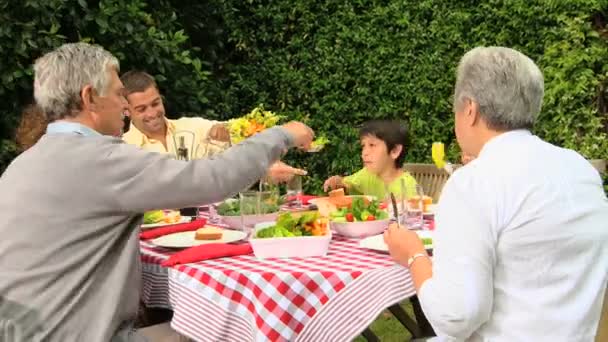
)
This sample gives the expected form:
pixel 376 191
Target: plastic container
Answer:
pixel 359 229
pixel 288 247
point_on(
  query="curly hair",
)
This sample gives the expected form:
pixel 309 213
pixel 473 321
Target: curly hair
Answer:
pixel 31 127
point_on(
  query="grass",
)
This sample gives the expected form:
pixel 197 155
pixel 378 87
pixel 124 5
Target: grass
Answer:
pixel 388 328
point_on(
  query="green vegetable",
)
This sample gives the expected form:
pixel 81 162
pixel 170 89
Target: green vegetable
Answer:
pixel 153 216
pixel 360 211
pixel 233 208
pixel 427 241
pixel 288 226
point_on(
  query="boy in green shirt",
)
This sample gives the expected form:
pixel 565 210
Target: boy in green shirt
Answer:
pixel 383 147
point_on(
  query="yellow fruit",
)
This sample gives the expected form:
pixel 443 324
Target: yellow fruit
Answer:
pixel 438 154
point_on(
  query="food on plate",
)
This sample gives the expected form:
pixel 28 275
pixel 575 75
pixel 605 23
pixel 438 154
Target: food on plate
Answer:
pixel 208 233
pixel 336 193
pixel 232 207
pixel 361 210
pixel 427 241
pixel 309 224
pixel 162 216
pixel 318 144
pixel 339 200
pixel 414 203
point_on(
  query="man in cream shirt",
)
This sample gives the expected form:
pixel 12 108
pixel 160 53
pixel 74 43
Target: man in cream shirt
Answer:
pixel 202 138
pixel 521 244
pixel 151 130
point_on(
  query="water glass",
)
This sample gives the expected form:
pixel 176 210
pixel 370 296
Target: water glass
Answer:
pixel 294 192
pixel 415 208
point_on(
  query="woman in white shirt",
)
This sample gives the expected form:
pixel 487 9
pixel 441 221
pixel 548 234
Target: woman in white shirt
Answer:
pixel 521 244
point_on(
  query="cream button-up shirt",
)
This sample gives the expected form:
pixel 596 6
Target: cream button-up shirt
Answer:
pixel 521 246
pixel 195 134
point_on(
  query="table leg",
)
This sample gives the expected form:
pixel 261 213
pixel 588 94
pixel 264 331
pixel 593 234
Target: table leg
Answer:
pixel 406 320
pixel 370 336
pixel 423 323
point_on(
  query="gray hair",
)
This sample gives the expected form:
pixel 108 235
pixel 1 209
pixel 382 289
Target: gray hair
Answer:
pixel 506 84
pixel 61 74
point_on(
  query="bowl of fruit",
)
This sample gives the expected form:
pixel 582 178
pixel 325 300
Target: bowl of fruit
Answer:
pixel 239 215
pixel 361 219
pixel 291 237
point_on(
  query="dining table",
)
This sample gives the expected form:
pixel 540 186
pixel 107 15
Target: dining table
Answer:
pixel 244 298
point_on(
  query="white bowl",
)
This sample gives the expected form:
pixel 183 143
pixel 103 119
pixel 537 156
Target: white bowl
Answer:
pixel 359 229
pixel 288 247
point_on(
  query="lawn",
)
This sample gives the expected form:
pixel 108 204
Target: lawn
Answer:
pixel 388 328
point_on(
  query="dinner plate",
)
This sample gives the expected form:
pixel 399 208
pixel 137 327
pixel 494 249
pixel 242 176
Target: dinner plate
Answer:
pixel 376 242
pixel 183 219
pixel 186 239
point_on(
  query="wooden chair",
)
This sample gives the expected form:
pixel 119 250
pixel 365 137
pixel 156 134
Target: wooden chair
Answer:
pixel 602 327
pixel 599 165
pixel 430 177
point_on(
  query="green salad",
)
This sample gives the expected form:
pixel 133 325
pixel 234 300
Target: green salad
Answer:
pixel 359 211
pixel 232 207
pixel 309 224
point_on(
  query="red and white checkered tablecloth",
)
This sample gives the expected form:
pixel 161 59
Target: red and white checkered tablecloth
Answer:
pixel 331 298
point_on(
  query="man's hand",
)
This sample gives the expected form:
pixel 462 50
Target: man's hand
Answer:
pixel 302 134
pixel 402 243
pixel 332 183
pixel 281 172
pixel 219 132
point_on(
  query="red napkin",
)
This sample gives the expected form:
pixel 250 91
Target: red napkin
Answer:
pixel 207 252
pixel 174 228
pixel 303 198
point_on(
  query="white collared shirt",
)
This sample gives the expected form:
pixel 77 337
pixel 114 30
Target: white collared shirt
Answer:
pixel 521 246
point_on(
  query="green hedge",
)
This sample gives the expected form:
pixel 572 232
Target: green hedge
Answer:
pixel 331 63
pixel 340 63
pixel 142 34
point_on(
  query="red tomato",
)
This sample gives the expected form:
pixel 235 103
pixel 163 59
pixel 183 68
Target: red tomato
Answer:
pixel 349 217
pixel 371 218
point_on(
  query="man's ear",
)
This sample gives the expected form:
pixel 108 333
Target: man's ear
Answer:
pixel 471 112
pixel 87 97
pixel 396 151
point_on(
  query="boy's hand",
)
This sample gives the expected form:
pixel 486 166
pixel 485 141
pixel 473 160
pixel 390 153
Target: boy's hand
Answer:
pixel 332 183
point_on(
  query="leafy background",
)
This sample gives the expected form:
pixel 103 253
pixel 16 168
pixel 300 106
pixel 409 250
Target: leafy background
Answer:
pixel 333 64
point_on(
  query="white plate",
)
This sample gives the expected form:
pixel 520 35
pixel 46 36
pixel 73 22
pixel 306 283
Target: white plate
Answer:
pixel 376 242
pixel 186 239
pixel 183 219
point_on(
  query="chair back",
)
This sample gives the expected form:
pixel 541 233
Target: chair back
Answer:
pixel 599 165
pixel 602 327
pixel 430 177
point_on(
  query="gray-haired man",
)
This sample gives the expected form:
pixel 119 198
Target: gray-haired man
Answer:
pixel 520 247
pixel 69 264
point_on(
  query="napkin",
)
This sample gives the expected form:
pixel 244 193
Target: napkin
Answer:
pixel 170 229
pixel 207 252
pixel 304 198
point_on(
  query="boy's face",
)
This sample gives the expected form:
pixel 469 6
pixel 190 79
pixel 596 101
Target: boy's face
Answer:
pixel 375 155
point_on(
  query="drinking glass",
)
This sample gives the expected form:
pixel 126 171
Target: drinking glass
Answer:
pixel 415 208
pixel 294 192
pixel 256 203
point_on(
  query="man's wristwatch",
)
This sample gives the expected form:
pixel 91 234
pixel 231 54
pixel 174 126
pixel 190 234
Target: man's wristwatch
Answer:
pixel 411 260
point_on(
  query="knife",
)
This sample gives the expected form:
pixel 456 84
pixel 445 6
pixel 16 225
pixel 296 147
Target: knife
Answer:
pixel 395 211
